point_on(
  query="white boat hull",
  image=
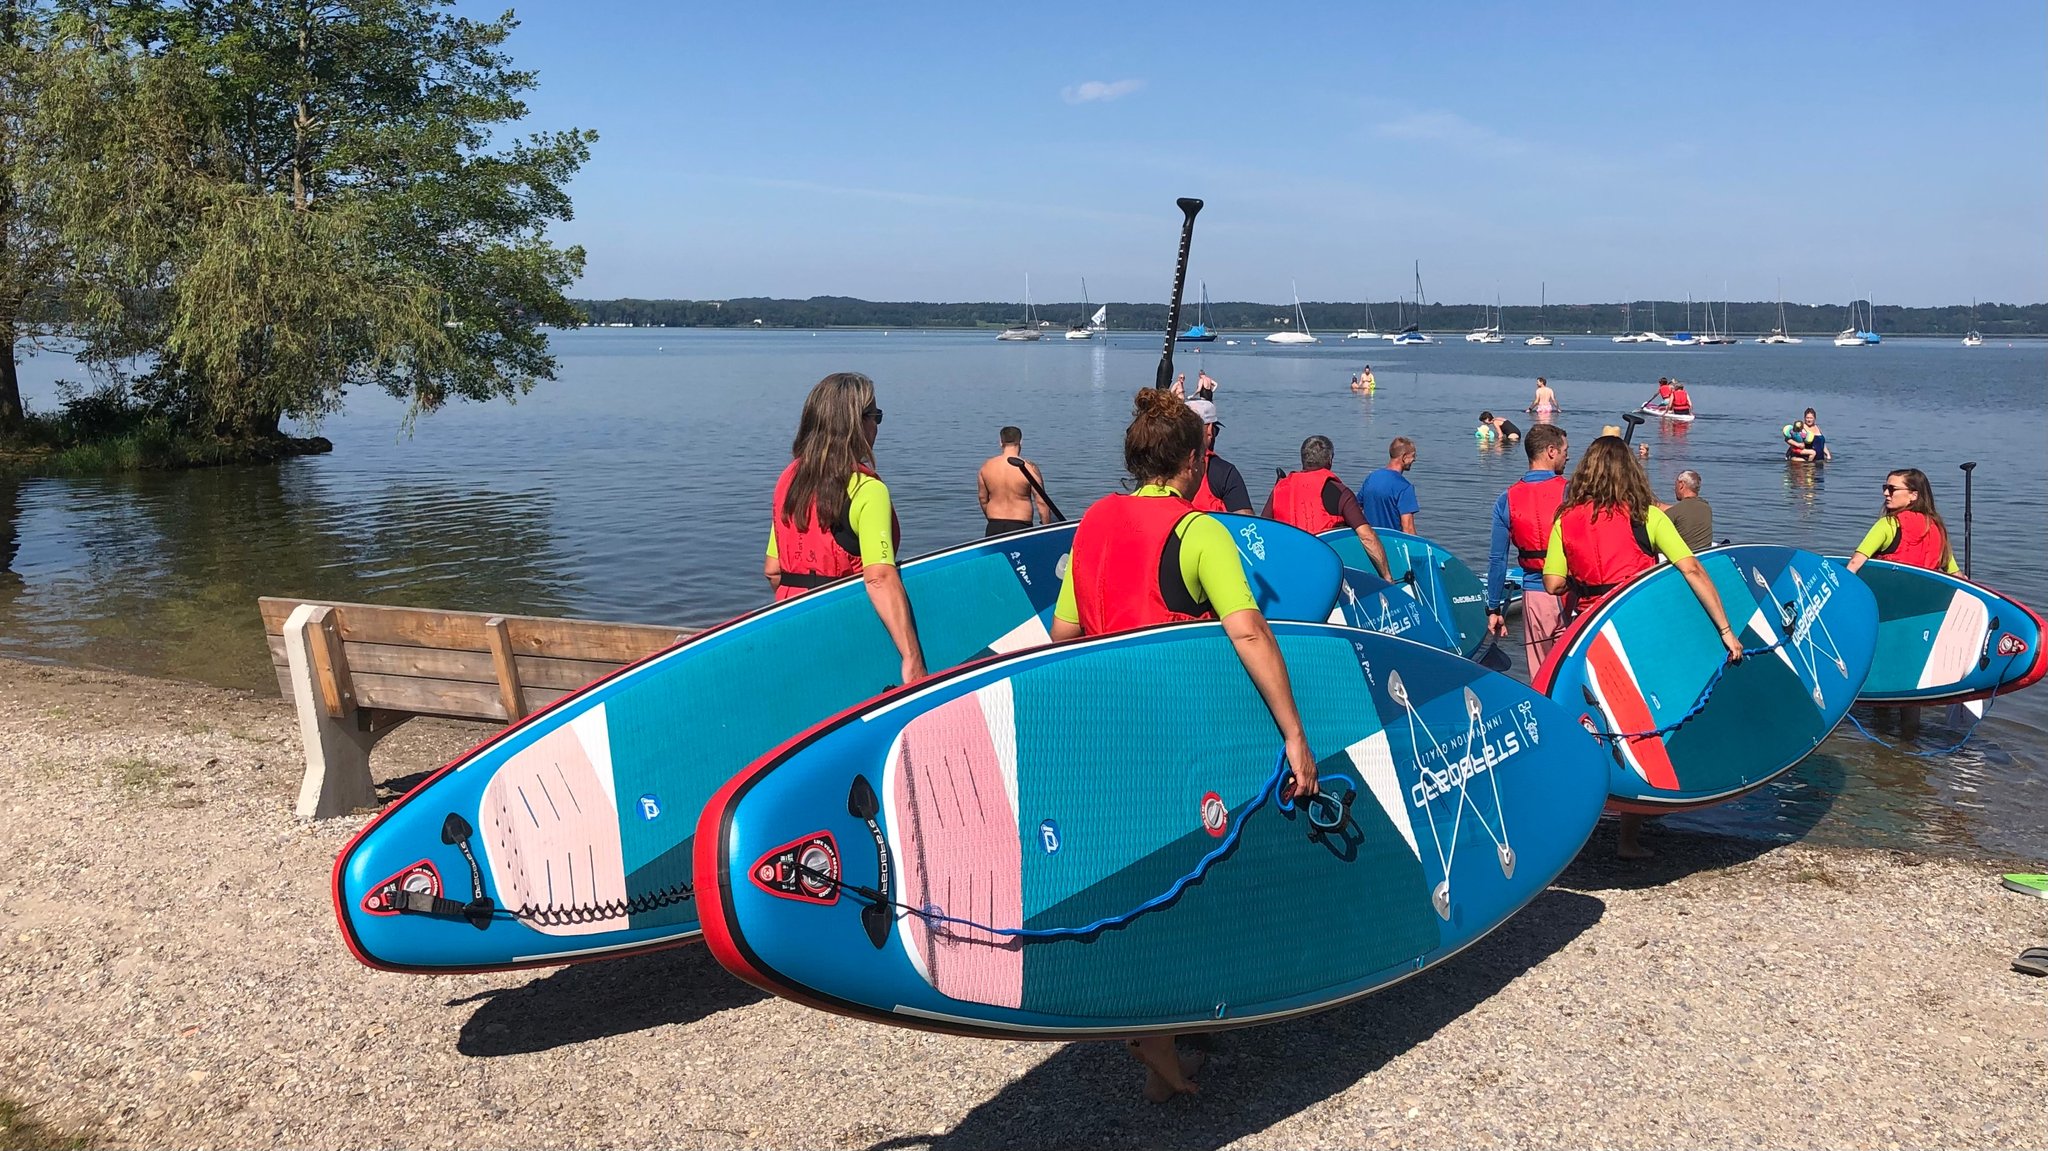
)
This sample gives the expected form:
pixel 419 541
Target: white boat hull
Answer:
pixel 1291 338
pixel 1020 335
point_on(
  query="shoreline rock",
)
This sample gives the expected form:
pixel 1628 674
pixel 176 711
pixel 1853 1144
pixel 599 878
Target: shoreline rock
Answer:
pixel 170 974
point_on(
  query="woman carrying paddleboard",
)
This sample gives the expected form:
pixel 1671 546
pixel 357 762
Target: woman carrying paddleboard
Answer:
pixel 832 515
pixel 1608 531
pixel 1910 531
pixel 1151 558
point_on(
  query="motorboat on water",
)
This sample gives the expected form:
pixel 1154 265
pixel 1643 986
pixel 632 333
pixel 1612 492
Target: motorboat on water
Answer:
pixel 1539 342
pixel 1300 333
pixel 1973 340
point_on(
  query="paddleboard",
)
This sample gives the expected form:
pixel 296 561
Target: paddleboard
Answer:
pixel 1641 660
pixel 1667 414
pixel 1053 790
pixel 567 836
pixel 1441 580
pixel 2026 884
pixel 1370 603
pixel 1944 639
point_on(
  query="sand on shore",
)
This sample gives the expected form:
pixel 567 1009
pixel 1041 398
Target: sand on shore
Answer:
pixel 171 975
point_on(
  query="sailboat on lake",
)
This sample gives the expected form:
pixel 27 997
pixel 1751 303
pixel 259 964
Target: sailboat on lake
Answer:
pixel 1028 330
pixel 1300 333
pixel 1201 332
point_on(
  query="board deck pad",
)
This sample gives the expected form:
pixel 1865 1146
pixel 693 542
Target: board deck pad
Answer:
pixel 1442 582
pixel 1046 790
pixel 1944 639
pixel 1640 661
pixel 579 819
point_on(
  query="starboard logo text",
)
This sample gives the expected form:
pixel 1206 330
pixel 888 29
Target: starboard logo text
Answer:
pixel 1489 754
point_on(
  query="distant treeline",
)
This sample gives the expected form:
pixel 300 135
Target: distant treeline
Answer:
pixel 1993 320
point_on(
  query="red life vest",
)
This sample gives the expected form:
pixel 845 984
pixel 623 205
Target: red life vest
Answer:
pixel 1918 543
pixel 816 554
pixel 1298 500
pixel 1121 564
pixel 1532 509
pixel 1664 392
pixel 1603 549
pixel 1205 500
pixel 1680 402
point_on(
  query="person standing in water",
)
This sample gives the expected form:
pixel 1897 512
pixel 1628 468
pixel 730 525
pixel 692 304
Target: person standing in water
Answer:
pixel 1805 441
pixel 1007 498
pixel 1545 401
pixel 1149 558
pixel 1522 518
pixel 1387 495
pixel 1365 382
pixel 1315 500
pixel 832 517
pixel 1608 531
pixel 1910 531
pixel 1690 514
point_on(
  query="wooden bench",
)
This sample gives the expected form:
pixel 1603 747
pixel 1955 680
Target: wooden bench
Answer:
pixel 356 671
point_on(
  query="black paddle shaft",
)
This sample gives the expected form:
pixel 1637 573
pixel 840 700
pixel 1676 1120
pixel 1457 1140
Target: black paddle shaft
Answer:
pixel 1188 206
pixel 1633 421
pixel 1018 463
pixel 1968 470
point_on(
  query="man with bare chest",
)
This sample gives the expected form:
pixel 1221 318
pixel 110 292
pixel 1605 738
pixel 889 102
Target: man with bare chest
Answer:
pixel 1007 498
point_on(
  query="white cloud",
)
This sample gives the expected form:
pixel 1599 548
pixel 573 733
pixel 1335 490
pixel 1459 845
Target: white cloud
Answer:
pixel 1092 90
pixel 1450 130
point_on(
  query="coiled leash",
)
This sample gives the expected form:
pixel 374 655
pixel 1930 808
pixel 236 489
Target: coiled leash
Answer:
pixel 1327 813
pixel 1699 705
pixel 1938 752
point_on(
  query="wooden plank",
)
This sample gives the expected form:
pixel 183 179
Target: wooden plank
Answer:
pixel 464 631
pixel 460 666
pixel 330 666
pixel 399 693
pixel 504 666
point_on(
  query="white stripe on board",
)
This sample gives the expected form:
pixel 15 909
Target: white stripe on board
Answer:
pixel 1375 762
pixel 593 731
pixel 999 707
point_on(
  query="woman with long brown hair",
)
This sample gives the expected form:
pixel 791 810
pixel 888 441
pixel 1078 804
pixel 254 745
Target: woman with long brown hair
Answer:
pixel 1910 531
pixel 1608 531
pixel 1150 558
pixel 832 514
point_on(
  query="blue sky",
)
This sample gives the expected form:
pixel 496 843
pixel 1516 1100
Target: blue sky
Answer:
pixel 941 152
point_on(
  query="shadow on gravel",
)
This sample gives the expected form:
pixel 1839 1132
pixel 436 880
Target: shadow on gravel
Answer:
pixel 594 1000
pixel 1727 835
pixel 1086 1094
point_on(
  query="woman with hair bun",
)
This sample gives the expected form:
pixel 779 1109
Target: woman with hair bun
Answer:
pixel 832 515
pixel 1910 531
pixel 1150 558
pixel 1608 531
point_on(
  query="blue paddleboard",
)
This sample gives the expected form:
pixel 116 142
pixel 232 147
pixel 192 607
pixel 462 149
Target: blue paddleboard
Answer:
pixel 1640 661
pixel 1370 603
pixel 1944 639
pixel 567 836
pixel 863 866
pixel 1441 580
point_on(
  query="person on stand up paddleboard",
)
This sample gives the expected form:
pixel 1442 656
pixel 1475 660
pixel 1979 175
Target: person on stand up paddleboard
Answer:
pixel 1681 404
pixel 1665 390
pixel 832 516
pixel 1222 488
pixel 1522 519
pixel 1150 558
pixel 1315 500
pixel 1387 495
pixel 1608 531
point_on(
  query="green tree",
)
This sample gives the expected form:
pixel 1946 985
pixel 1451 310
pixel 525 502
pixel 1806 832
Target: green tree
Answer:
pixel 339 208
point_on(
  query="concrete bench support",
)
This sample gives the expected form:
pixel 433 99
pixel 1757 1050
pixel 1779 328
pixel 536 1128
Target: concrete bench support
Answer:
pixel 337 779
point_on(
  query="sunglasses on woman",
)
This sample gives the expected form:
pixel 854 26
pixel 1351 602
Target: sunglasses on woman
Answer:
pixel 872 413
pixel 1890 488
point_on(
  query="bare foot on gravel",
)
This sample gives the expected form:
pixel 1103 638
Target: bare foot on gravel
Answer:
pixel 1167 1072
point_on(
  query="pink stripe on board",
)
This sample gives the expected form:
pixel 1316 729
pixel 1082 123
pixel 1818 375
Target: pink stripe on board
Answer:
pixel 960 853
pixel 551 834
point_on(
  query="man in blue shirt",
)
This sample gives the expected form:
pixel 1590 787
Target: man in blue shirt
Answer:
pixel 1386 495
pixel 1521 522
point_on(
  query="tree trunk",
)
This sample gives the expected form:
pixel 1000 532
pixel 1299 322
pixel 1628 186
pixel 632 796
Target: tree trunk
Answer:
pixel 11 416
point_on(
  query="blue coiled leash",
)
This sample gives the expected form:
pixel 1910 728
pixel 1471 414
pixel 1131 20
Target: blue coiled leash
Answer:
pixel 1936 753
pixel 1327 813
pixel 1700 704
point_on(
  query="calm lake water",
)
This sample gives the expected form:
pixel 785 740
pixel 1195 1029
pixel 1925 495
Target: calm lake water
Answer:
pixel 636 488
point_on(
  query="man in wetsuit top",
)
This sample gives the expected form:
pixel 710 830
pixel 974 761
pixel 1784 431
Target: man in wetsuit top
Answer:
pixel 1007 499
pixel 1222 488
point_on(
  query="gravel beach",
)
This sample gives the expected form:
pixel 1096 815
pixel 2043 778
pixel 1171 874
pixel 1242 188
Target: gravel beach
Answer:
pixel 171 976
